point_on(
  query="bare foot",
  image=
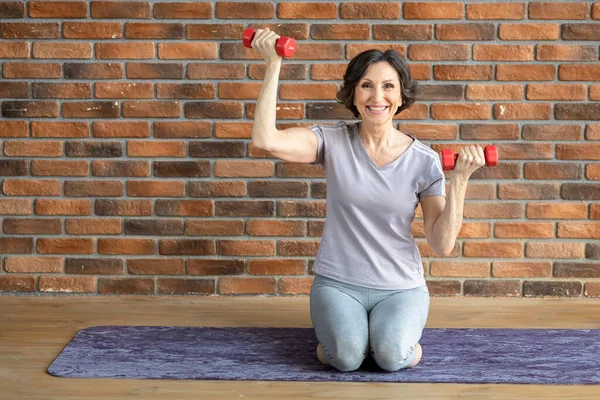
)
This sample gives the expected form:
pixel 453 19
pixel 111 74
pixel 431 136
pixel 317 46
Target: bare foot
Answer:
pixel 321 355
pixel 418 355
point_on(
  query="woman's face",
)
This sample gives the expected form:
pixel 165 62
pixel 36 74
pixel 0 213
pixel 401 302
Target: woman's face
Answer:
pixel 377 95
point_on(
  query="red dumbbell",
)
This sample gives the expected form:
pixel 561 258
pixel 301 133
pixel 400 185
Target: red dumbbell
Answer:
pixel 449 158
pixel 284 46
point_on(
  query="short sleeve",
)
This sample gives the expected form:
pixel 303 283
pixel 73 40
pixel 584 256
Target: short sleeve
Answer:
pixel 318 131
pixel 327 137
pixel 435 180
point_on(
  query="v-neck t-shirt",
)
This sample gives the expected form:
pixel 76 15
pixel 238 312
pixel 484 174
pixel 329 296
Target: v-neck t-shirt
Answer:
pixel 367 238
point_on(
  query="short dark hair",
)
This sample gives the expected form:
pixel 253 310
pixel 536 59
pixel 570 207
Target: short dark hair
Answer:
pixel 357 67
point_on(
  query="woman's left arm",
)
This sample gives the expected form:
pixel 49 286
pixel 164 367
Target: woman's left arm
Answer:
pixel 443 216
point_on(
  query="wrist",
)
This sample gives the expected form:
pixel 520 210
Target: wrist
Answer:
pixel 459 181
pixel 274 64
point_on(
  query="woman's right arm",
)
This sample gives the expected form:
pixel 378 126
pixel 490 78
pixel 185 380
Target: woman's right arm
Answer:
pixel 292 144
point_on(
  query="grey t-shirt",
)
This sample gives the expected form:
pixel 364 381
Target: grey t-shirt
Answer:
pixel 367 239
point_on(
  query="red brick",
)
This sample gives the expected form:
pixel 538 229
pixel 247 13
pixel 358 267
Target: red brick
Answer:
pixel 16 206
pixel 502 52
pixel 31 187
pixel 67 284
pixel 494 92
pixel 247 247
pixel 250 169
pixel 65 50
pixel 446 52
pixel 276 267
pixel 524 230
pixel 151 109
pixel 183 10
pixel 156 149
pixel 291 91
pixel 156 188
pixel 121 9
pixel 186 286
pixel 92 30
pixel 239 91
pixel 236 10
pixel 233 130
pixel 562 52
pixel 13 129
pixel 299 10
pixel 120 90
pixel 33 264
pixel 123 286
pixel 65 246
pixel 529 31
pixel 60 129
pixel 183 129
pixel 214 228
pixel 57 9
pixel 215 267
pixel 578 230
pixel 152 30
pixel 137 50
pixel 459 269
pixel 496 11
pixel 564 92
pixel 553 211
pixel 521 269
pixel 554 250
pixel 493 249
pixel 276 228
pixel 187 51
pixel 509 72
pixel 460 111
pixel 552 132
pixel 434 10
pixel 93 226
pixel 63 207
pixel 511 111
pixel 33 226
pixel 157 266
pixel 474 31
pixel 121 129
pixel 126 246
pixel 559 10
pixel 295 286
pixel 24 30
pixel 14 50
pixel 217 189
pixel 463 72
pixel 247 286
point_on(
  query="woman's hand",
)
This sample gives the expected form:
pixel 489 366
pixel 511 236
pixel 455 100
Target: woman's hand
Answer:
pixel 264 42
pixel 470 159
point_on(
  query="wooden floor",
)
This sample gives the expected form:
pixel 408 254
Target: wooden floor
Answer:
pixel 34 330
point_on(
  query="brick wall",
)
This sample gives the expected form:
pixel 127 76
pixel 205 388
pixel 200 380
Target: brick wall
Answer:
pixel 127 166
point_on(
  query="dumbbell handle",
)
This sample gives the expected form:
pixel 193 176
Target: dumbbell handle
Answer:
pixel 284 46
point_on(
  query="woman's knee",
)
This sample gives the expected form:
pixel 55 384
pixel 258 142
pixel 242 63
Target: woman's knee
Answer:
pixel 346 355
pixel 394 358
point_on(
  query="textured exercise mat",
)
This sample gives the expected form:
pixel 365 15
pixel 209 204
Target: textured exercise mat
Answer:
pixel 534 356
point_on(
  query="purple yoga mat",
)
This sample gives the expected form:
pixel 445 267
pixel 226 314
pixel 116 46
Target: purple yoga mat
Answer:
pixel 534 356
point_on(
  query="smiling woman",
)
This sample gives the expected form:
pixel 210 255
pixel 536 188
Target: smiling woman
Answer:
pixel 389 62
pixel 369 295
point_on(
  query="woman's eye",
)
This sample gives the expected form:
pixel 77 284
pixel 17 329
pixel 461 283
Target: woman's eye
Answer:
pixel 389 85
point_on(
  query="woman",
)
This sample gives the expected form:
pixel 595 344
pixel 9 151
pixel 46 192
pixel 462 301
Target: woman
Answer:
pixel 369 294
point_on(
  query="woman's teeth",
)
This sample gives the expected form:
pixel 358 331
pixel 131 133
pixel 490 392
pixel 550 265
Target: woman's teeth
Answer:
pixel 376 108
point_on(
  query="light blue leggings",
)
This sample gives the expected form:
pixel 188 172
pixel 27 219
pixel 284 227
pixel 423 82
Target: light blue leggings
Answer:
pixel 352 321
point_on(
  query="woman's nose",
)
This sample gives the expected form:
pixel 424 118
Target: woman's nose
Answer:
pixel 377 95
